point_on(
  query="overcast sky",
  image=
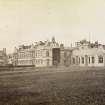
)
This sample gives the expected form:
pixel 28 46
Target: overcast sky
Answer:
pixel 28 21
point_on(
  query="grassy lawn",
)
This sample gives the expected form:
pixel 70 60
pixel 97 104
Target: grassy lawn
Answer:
pixel 60 88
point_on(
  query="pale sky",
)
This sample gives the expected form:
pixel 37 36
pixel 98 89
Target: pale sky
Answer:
pixel 28 21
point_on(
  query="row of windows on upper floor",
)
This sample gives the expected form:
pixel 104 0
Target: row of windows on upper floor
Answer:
pixel 28 55
pixel 88 60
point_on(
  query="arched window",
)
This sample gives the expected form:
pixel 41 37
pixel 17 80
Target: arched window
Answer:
pixel 73 60
pixel 100 59
pixel 82 60
pixel 93 59
pixel 89 60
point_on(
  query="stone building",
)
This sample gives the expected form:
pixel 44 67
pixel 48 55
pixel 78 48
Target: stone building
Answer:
pixel 88 54
pixel 50 53
pixel 40 54
pixel 47 53
pixel 23 56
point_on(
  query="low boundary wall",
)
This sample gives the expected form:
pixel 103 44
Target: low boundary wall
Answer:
pixel 62 68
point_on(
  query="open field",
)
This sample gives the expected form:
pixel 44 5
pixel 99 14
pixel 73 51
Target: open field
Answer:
pixel 53 88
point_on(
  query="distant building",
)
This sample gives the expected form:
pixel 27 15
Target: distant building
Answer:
pixel 50 53
pixel 40 54
pixel 47 53
pixel 3 57
pixel 23 55
pixel 88 54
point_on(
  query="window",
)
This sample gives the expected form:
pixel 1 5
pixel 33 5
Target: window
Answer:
pixel 36 54
pixel 93 59
pixel 100 59
pixel 89 60
pixel 79 60
pixel 82 60
pixel 73 60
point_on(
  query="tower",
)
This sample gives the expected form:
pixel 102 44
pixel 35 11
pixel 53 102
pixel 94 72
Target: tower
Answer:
pixel 53 39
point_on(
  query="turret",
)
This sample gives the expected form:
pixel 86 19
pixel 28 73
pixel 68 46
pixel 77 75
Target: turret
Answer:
pixel 53 39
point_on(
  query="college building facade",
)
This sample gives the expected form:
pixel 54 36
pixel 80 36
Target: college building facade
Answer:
pixel 50 53
pixel 40 54
pixel 88 54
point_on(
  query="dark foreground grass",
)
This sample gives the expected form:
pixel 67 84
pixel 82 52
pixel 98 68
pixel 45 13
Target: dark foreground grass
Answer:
pixel 62 88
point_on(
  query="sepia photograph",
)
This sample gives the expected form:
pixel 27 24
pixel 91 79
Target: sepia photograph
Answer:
pixel 52 52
